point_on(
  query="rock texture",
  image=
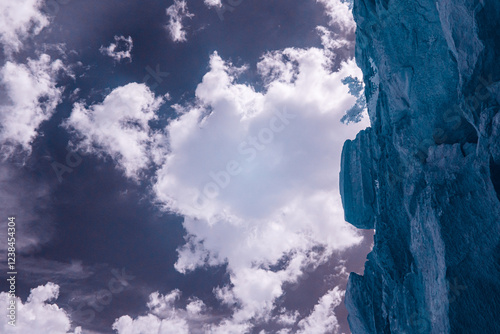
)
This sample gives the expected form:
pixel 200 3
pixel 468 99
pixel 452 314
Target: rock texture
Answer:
pixel 426 175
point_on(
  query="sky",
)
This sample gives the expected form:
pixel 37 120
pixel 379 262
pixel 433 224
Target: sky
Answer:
pixel 173 166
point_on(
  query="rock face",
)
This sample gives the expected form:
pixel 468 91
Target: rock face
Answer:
pixel 426 175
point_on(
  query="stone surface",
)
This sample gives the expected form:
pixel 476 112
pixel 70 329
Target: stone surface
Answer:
pixel 426 175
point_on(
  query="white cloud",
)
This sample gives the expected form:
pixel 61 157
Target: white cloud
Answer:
pixel 333 42
pixel 213 3
pixel 37 315
pixel 340 13
pixel 164 317
pixel 229 327
pixel 18 20
pixel 150 324
pixel 176 14
pixel 119 127
pixel 255 174
pixel 31 97
pixel 119 50
pixel 195 307
pixel 338 39
pixel 287 318
pixel 322 319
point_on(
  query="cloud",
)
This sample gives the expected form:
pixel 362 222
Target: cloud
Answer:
pixel 31 97
pixel 255 174
pixel 39 270
pixel 213 3
pixel 36 315
pixel 338 38
pixel 340 14
pixel 322 319
pixel 176 14
pixel 164 317
pixel 119 127
pixel 120 50
pixel 20 19
pixel 150 324
pixel 28 96
pixel 333 42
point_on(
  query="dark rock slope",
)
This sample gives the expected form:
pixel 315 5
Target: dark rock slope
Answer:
pixel 426 175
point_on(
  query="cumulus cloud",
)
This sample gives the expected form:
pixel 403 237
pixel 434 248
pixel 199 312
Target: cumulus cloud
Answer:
pixel 322 319
pixel 255 174
pixel 37 315
pixel 120 50
pixel 30 96
pixel 119 127
pixel 164 317
pixel 20 19
pixel 176 14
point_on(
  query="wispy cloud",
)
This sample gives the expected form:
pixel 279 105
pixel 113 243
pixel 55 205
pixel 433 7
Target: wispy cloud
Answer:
pixel 177 13
pixel 120 50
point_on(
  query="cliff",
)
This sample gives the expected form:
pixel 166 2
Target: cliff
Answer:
pixel 426 174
